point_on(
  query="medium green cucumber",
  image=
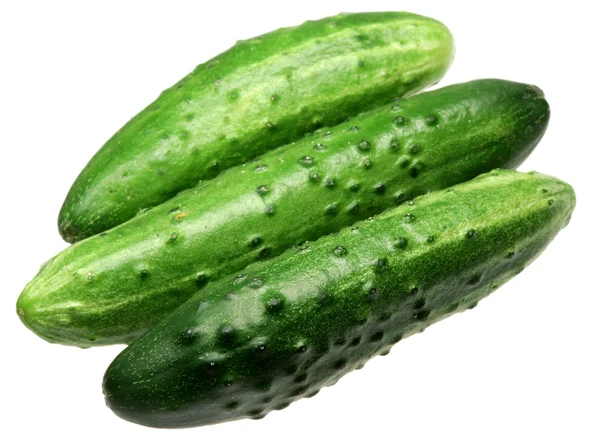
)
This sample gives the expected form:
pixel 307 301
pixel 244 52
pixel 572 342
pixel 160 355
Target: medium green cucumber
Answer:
pixel 283 329
pixel 113 287
pixel 258 95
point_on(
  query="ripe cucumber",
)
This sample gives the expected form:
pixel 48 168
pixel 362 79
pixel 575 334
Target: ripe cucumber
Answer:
pixel 283 329
pixel 113 287
pixel 260 94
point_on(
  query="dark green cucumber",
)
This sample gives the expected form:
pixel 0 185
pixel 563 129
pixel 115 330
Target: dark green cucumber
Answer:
pixel 283 329
pixel 260 94
pixel 113 287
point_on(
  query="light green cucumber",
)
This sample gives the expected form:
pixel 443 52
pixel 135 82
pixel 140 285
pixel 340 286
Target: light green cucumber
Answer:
pixel 260 94
pixel 111 288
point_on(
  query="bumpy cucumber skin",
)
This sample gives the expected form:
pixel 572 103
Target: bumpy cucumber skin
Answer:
pixel 259 95
pixel 113 287
pixel 283 329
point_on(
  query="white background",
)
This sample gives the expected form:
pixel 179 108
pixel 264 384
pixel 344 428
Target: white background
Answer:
pixel 521 366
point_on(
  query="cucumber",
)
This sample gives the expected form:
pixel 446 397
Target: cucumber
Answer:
pixel 260 94
pixel 111 288
pixel 283 329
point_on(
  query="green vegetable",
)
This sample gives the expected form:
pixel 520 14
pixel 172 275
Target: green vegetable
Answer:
pixel 113 287
pixel 283 329
pixel 258 95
